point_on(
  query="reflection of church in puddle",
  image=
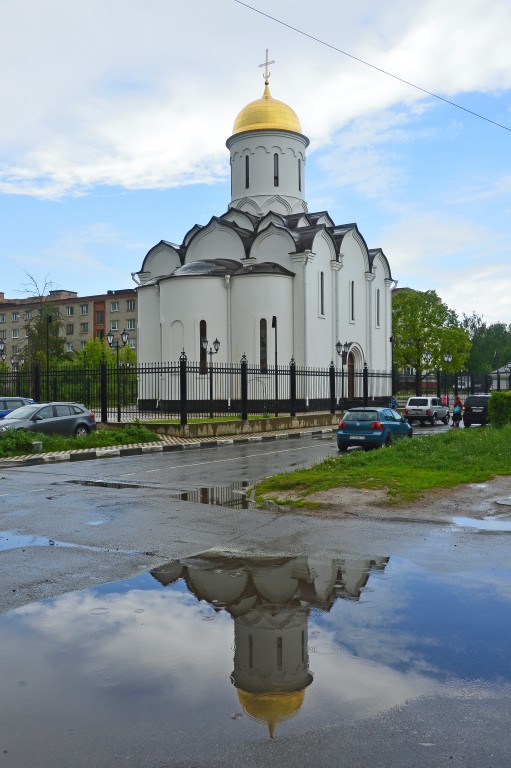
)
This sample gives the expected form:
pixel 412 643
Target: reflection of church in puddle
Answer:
pixel 270 601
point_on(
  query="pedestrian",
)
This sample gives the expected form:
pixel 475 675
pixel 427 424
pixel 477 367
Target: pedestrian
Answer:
pixel 457 411
pixel 393 402
pixel 444 400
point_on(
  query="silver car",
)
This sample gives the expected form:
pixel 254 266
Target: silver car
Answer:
pixel 51 418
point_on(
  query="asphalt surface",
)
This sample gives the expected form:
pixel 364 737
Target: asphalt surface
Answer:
pixel 103 521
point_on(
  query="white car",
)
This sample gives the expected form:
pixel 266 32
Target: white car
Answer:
pixel 426 410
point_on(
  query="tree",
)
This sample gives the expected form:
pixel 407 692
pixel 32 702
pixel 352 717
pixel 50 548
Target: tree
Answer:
pixel 422 325
pixel 491 345
pixel 42 329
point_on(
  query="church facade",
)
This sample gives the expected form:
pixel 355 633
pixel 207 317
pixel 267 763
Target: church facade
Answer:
pixel 267 278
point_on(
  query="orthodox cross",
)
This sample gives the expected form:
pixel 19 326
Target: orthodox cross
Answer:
pixel 266 64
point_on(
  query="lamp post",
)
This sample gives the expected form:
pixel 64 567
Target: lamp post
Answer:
pixel 212 351
pixel 427 357
pixel 49 320
pixel 17 361
pixel 447 361
pixel 342 350
pixel 496 358
pixel 113 343
pixel 274 326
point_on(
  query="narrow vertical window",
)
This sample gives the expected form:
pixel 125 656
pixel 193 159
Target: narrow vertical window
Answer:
pixel 321 293
pixel 247 171
pixel 263 346
pixel 299 175
pixel 352 301
pixel 378 307
pixel 250 652
pixel 275 170
pixel 279 653
pixel 203 334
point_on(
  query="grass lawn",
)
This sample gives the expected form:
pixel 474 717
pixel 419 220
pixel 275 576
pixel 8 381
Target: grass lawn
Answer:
pixel 406 470
pixel 18 442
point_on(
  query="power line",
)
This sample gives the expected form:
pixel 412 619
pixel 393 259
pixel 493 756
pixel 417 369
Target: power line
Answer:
pixel 373 66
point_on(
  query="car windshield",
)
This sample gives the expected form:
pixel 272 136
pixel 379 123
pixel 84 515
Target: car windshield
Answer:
pixel 361 416
pixel 25 412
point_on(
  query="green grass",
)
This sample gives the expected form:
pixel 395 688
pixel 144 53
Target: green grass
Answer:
pixel 406 470
pixel 19 441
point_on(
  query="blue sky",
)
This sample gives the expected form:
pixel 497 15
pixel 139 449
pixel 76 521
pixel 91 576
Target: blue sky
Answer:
pixel 115 117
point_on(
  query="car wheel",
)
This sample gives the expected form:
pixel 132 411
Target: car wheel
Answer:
pixel 388 441
pixel 81 431
pixel 446 420
pixel 432 420
pixel 342 448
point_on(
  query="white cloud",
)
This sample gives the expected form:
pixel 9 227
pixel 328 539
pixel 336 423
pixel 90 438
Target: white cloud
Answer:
pixel 136 96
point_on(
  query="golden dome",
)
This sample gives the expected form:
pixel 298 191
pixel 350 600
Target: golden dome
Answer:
pixel 267 114
pixel 271 708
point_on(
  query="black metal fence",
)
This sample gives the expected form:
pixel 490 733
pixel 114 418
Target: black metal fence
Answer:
pixel 185 389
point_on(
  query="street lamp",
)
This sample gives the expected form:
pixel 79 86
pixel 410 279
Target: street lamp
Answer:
pixel 113 343
pixel 17 361
pixel 427 357
pixel 342 350
pixel 447 361
pixel 212 351
pixel 496 358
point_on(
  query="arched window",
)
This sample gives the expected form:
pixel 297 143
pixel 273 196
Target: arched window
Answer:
pixel 263 346
pixel 321 293
pixel 203 334
pixel 275 170
pixel 377 307
pixel 299 175
pixel 247 171
pixel 352 301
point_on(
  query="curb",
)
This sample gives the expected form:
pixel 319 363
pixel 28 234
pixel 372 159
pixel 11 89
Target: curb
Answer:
pixel 113 451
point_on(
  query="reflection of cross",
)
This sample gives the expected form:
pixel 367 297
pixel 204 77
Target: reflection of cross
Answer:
pixel 266 64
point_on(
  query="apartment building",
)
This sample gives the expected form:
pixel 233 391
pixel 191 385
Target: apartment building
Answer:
pixel 83 317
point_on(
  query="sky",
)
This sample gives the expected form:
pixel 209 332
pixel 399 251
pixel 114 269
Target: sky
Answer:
pixel 114 117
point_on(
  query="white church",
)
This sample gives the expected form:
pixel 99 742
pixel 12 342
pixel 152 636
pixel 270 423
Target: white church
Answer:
pixel 268 278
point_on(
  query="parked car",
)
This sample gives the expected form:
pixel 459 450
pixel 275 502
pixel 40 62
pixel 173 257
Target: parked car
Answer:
pixel 8 404
pixel 475 410
pixel 50 418
pixel 371 427
pixel 426 409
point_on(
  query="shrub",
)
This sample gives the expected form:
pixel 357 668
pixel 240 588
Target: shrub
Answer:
pixel 499 408
pixel 17 441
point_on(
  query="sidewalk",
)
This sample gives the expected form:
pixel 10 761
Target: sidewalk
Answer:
pixel 164 445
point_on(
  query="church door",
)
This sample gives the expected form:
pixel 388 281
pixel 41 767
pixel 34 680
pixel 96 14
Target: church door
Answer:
pixel 351 377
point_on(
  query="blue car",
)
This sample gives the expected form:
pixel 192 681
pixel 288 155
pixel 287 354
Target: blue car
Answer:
pixel 8 404
pixel 371 427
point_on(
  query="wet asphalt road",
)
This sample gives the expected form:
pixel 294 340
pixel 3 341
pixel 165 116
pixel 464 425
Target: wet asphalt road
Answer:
pixel 119 517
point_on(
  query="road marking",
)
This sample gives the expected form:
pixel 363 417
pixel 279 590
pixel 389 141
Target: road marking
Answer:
pixel 221 461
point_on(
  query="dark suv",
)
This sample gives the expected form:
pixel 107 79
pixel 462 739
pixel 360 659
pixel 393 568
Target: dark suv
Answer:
pixel 475 410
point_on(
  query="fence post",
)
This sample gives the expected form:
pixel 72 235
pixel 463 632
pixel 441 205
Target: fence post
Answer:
pixel 37 383
pixel 331 377
pixel 365 380
pixel 292 387
pixel 183 397
pixel 103 392
pixel 244 388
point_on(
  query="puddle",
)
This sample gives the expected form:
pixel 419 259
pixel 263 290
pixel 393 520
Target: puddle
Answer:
pixel 145 670
pixel 233 495
pixel 12 540
pixel 498 525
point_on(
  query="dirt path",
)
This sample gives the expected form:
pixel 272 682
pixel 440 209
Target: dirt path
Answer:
pixel 475 500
